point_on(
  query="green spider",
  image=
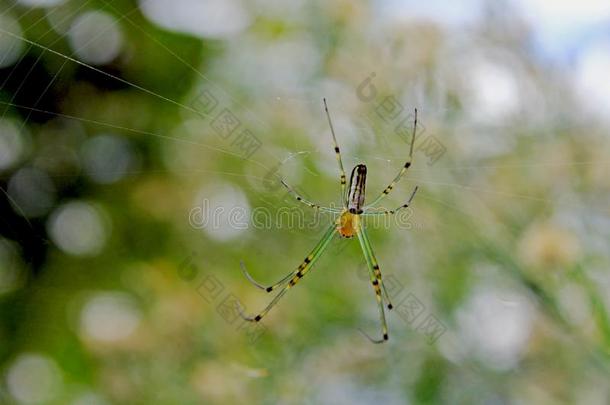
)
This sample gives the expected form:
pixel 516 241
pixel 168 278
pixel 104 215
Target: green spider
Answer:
pixel 347 225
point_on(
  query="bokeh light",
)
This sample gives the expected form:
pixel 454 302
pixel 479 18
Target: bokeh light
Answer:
pixel 109 317
pixel 10 47
pixel 496 325
pixel 107 158
pixel 78 228
pixel 223 214
pixel 96 37
pixel 32 192
pixel 592 87
pixel 208 19
pixel 34 379
pixel 12 143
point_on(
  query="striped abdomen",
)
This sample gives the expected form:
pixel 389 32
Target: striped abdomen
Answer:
pixel 357 183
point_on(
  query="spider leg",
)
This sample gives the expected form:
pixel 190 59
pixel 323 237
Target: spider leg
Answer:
pixel 403 170
pixel 259 285
pixel 308 203
pixel 376 281
pixel 395 210
pixel 295 276
pixel 366 335
pixel 375 265
pixel 343 179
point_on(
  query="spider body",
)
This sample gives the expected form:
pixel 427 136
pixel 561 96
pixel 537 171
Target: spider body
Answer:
pixel 348 224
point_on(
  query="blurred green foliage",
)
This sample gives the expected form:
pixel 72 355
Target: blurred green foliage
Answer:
pixel 506 245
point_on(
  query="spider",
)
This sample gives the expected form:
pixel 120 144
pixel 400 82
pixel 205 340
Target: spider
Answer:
pixel 348 224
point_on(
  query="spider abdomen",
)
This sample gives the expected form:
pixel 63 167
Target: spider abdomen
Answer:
pixel 357 183
pixel 347 224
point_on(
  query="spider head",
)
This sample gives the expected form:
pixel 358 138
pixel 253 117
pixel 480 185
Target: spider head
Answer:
pixel 357 183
